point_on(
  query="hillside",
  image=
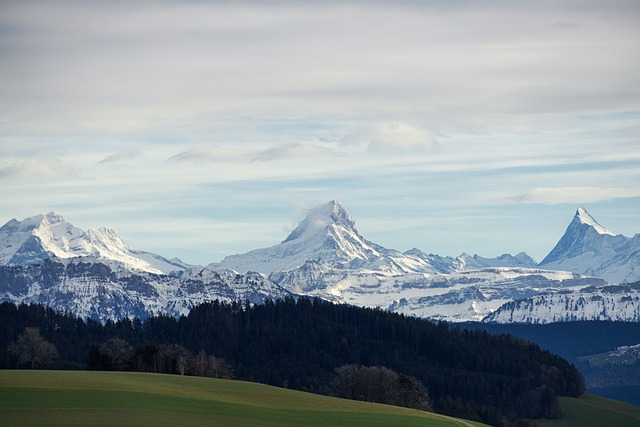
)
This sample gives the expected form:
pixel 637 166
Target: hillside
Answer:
pixel 589 346
pixel 64 398
pixel 590 410
pixel 311 345
pixel 61 398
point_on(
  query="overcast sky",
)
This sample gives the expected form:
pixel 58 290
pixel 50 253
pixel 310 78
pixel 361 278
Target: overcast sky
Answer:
pixel 200 129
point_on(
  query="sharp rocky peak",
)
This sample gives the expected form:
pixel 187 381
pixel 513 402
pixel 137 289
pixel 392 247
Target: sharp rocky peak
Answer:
pixel 32 223
pixel 583 235
pixel 320 219
pixel 51 218
pixel 583 217
pixel 35 239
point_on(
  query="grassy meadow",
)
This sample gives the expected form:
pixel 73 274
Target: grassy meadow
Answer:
pixel 596 411
pixel 87 398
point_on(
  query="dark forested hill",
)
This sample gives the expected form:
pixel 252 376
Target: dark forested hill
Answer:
pixel 577 341
pixel 301 344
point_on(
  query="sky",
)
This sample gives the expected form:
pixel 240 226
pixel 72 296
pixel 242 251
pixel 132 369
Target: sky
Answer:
pixel 200 129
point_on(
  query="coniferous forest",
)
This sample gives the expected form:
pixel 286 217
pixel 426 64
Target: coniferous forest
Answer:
pixel 309 345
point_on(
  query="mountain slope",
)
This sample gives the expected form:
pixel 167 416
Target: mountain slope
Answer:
pixel 505 260
pixel 587 248
pixel 45 260
pixel 40 237
pixel 96 290
pixel 454 297
pixel 611 303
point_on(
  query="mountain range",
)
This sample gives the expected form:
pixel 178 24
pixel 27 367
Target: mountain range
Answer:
pixel 95 274
pixel 49 236
pixel 328 234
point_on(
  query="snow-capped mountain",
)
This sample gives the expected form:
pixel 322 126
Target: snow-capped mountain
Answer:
pixel 431 263
pixel 329 235
pixel 96 290
pixel 454 297
pixel 45 260
pixel 505 260
pixel 325 256
pixel 587 248
pixel 38 238
pixel 611 303
pixel 622 355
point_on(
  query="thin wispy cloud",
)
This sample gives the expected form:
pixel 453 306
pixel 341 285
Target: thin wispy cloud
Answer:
pixel 37 168
pixel 279 152
pixel 576 195
pixel 212 153
pixel 123 156
pixel 389 137
pixel 287 151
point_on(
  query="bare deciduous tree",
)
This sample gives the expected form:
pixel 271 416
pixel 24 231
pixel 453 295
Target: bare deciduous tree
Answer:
pixel 183 359
pixel 118 351
pixel 381 385
pixel 219 368
pixel 201 363
pixel 32 350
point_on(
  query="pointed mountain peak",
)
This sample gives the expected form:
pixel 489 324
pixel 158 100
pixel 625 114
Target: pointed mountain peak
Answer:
pixel 51 218
pixel 326 234
pixel 332 212
pixel 583 235
pixel 37 238
pixel 321 217
pixel 33 222
pixel 583 217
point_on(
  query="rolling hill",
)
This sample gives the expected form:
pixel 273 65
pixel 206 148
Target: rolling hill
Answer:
pixel 67 398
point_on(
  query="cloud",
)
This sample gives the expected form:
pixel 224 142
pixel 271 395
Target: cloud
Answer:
pixel 212 153
pixel 122 156
pixel 111 69
pixel 390 136
pixel 216 153
pixel 31 168
pixel 270 105
pixel 295 150
pixel 573 195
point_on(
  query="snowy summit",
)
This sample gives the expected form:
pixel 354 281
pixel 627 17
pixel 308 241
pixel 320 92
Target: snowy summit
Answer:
pixel 587 248
pixel 40 237
pixel 583 217
pixel 328 233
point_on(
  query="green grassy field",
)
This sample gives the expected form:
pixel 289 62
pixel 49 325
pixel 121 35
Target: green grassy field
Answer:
pixel 595 411
pixel 85 398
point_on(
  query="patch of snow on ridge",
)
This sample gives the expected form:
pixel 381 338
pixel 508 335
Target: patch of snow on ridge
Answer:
pixel 605 303
pixel 454 297
pixel 585 218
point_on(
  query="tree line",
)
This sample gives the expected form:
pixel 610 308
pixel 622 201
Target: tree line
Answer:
pixel 316 346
